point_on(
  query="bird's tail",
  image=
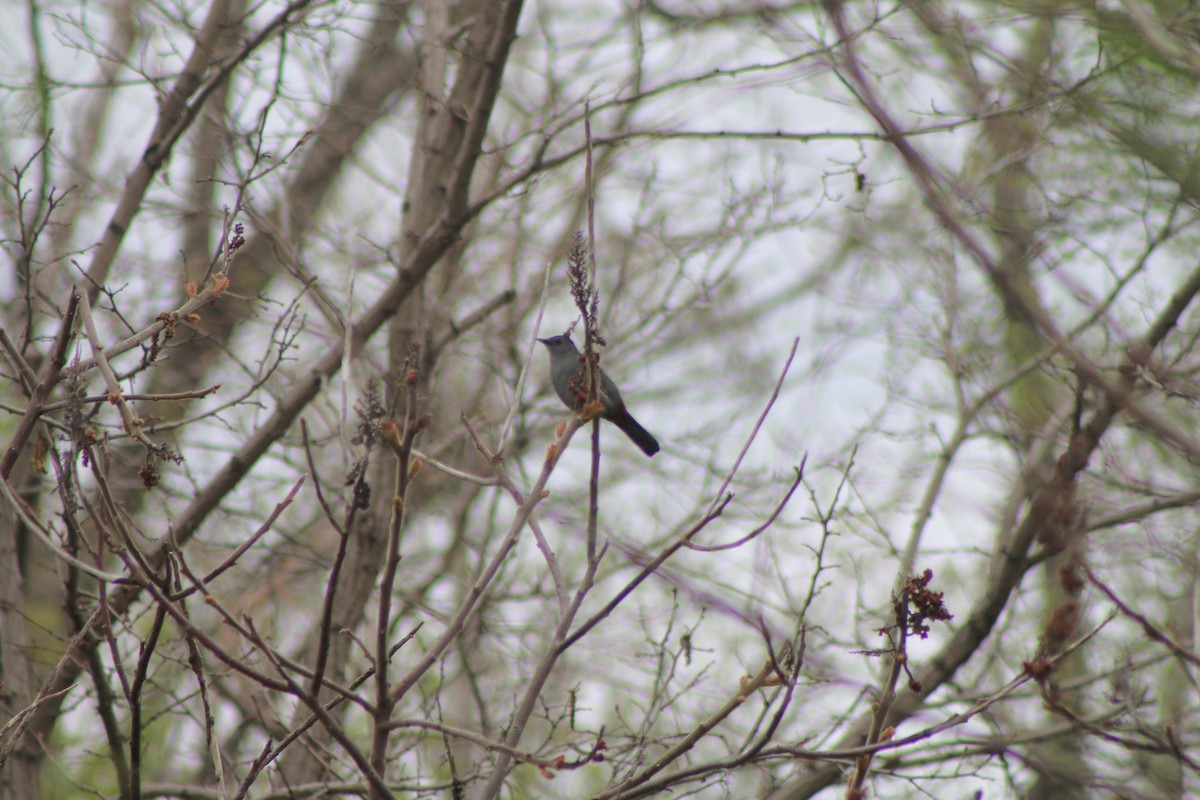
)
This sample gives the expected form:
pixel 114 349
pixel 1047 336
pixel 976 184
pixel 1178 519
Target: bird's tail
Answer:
pixel 637 434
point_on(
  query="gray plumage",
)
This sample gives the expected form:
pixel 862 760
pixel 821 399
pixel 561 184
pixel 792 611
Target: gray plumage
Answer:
pixel 565 364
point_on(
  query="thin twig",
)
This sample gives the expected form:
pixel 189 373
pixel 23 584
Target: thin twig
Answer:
pixel 43 386
pixel 314 704
pixel 506 430
pixel 747 687
pixel 483 582
pixel 1149 628
pixel 132 425
pixel 787 364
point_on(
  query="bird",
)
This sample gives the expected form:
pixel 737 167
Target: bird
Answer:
pixel 565 365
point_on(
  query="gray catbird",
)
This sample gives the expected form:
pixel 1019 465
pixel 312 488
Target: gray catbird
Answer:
pixel 565 364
